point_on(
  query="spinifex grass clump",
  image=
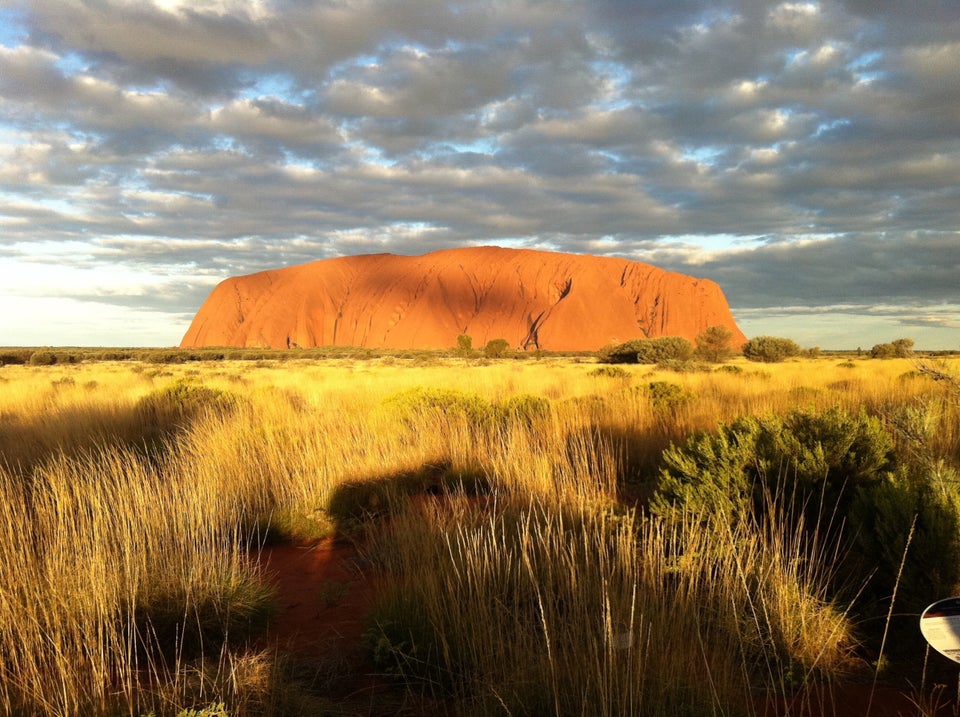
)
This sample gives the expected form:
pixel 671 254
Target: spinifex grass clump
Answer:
pixel 171 409
pixel 535 611
pixel 114 576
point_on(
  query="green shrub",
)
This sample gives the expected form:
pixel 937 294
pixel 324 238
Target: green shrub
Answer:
pixel 43 358
pixel 417 402
pixel 711 473
pixel 770 349
pixel 610 372
pixel 684 366
pixel 496 348
pixel 882 515
pixel 803 455
pixel 830 468
pixel 524 408
pixel 651 351
pixel 464 345
pixel 666 396
pixel 714 344
pixel 901 348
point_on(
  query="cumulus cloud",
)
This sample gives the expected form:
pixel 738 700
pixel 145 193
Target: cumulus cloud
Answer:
pixel 198 139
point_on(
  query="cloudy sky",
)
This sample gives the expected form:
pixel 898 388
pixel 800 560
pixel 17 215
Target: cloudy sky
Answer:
pixel 804 155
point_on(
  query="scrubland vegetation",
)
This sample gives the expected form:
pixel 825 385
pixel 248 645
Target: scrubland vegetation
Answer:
pixel 549 536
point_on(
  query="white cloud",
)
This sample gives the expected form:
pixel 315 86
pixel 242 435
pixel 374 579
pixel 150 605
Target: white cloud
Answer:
pixel 198 139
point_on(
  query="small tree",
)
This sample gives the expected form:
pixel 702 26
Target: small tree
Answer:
pixel 713 344
pixel 901 348
pixel 770 349
pixel 496 348
pixel 464 345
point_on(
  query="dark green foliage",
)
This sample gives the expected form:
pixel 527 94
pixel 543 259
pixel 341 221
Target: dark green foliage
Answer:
pixel 810 456
pixel 770 349
pixel 730 369
pixel 714 344
pixel 524 408
pixel 15 357
pixel 464 345
pixel 712 473
pixel 43 358
pixel 833 468
pixel 610 372
pixel 420 401
pixel 901 348
pixel 667 396
pixel 496 348
pixel 882 516
pixel 654 351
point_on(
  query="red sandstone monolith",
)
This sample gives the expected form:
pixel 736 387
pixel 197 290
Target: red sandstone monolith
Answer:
pixel 533 299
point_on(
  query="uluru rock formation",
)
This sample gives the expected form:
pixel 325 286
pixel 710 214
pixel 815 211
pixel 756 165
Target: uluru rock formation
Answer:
pixel 533 299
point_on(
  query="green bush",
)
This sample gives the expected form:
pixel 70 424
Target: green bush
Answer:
pixel 524 408
pixel 684 366
pixel 901 348
pixel 770 349
pixel 464 345
pixel 666 396
pixel 715 344
pixel 43 358
pixel 420 401
pixel 610 372
pixel 822 456
pixel 651 351
pixel 16 357
pixel 496 348
pixel 829 468
pixel 882 515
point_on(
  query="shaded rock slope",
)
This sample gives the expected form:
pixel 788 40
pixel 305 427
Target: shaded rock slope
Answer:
pixel 533 299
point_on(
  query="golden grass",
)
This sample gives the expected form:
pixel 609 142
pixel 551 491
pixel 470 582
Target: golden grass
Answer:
pixel 113 541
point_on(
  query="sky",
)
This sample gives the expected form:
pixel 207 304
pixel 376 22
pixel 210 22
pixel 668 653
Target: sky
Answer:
pixel 803 155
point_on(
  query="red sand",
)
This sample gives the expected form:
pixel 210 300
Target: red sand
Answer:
pixel 533 299
pixel 323 597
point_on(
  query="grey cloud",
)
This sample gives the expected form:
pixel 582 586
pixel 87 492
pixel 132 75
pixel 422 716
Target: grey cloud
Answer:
pixel 869 268
pixel 175 297
pixel 231 138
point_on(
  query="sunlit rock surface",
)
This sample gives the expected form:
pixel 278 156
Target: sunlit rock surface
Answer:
pixel 533 299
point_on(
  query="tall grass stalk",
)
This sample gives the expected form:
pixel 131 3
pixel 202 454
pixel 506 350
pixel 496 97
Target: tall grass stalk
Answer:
pixel 535 609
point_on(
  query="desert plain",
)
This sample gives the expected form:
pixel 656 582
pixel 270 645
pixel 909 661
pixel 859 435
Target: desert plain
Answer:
pixel 354 533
